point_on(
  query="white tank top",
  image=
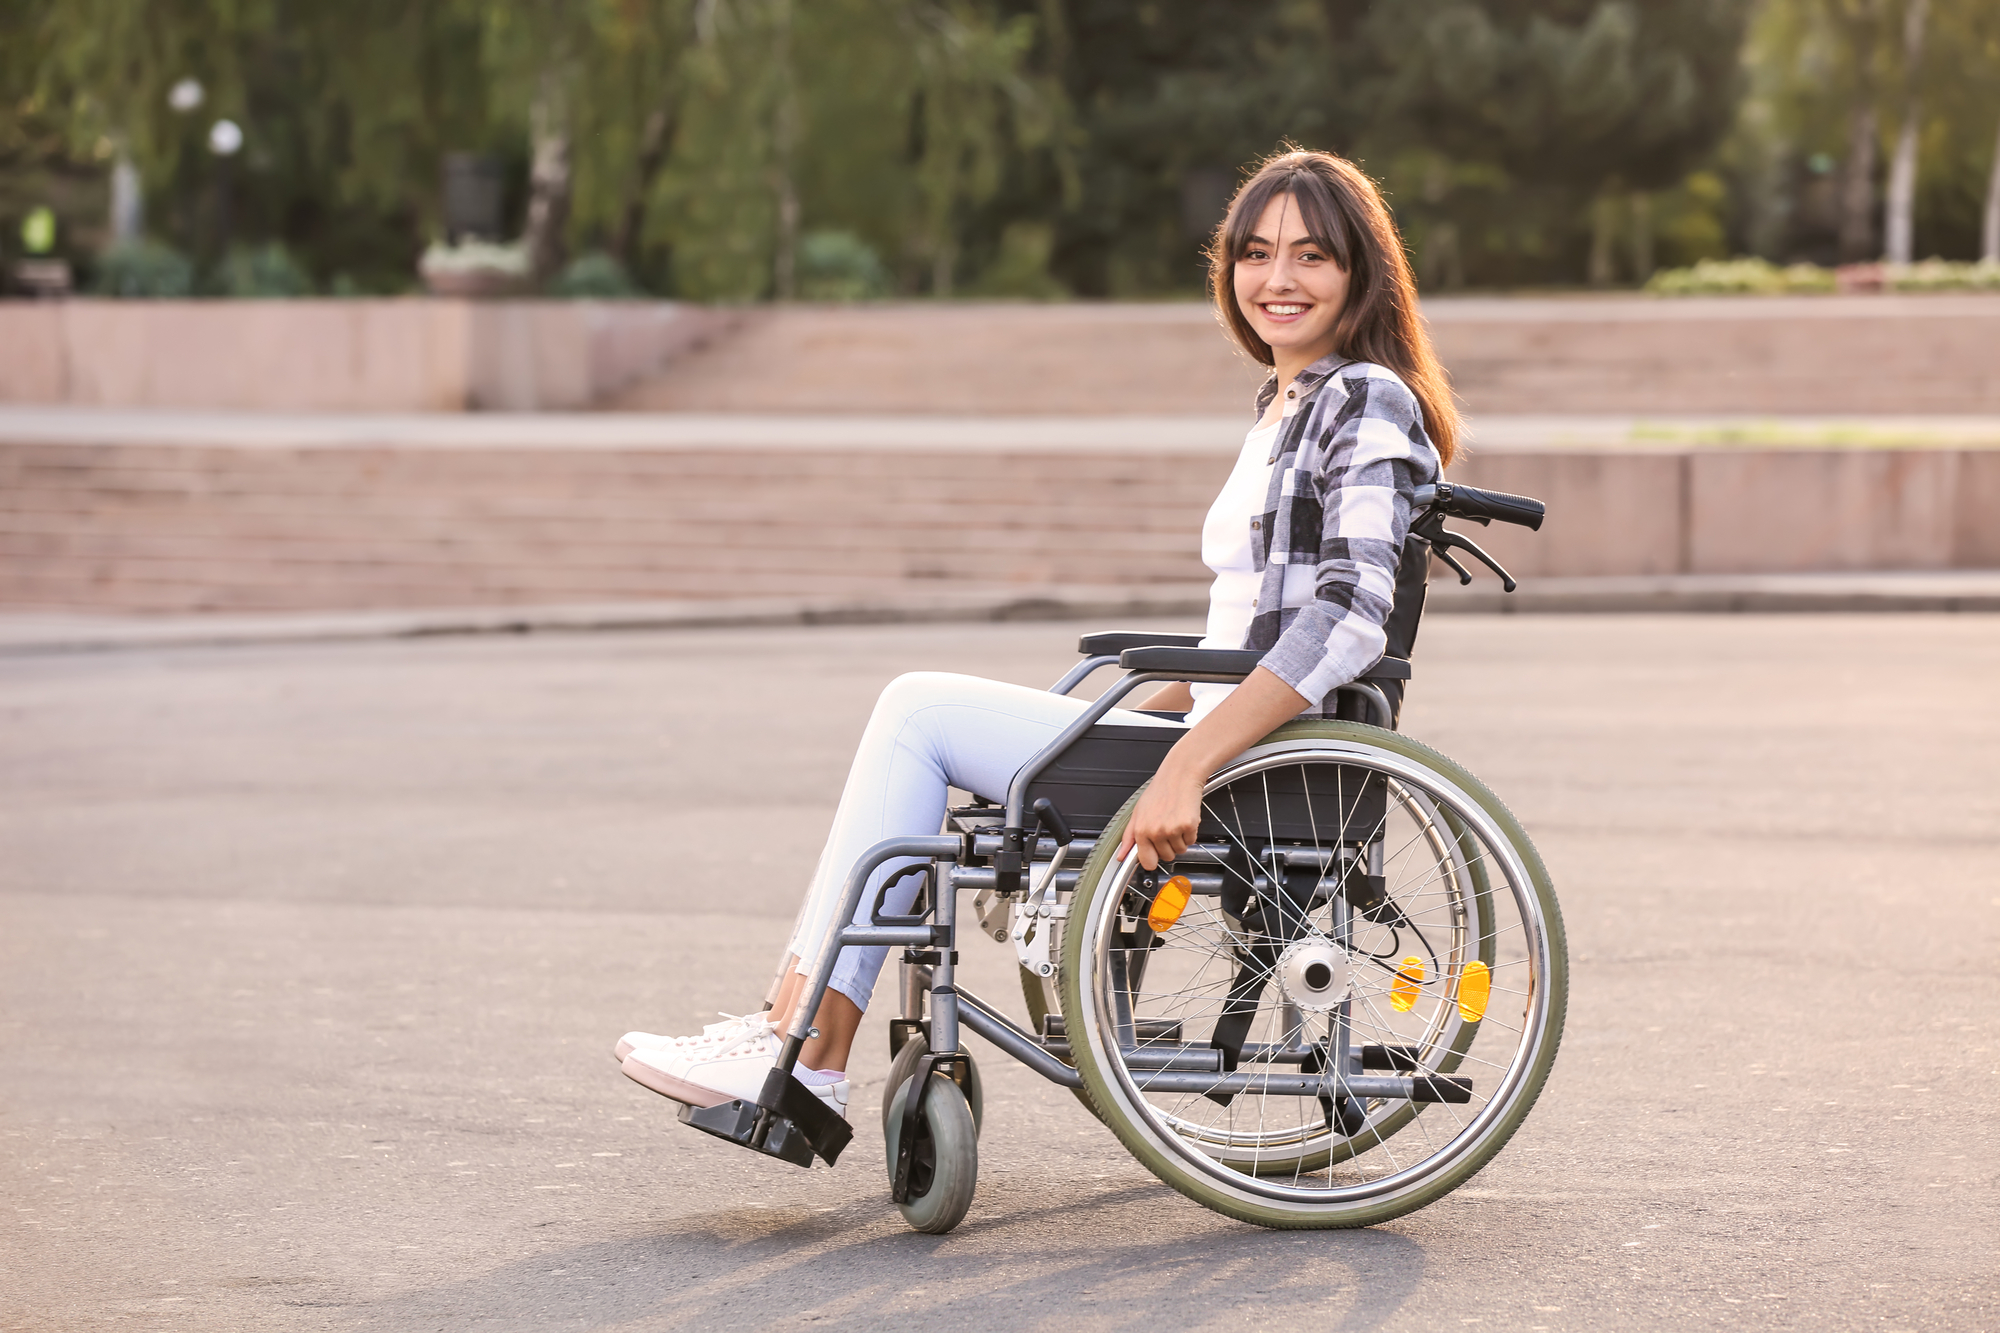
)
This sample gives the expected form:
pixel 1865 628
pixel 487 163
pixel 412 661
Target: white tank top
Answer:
pixel 1225 549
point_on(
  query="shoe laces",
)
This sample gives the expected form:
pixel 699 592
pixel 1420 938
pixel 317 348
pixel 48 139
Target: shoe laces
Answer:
pixel 731 1031
pixel 748 1030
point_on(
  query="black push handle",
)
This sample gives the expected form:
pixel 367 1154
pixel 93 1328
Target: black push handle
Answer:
pixel 1479 506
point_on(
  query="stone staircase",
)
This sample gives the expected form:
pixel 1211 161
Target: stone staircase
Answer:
pixel 147 527
pixel 838 485
pixel 1579 354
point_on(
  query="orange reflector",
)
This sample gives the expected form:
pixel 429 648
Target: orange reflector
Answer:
pixel 1169 903
pixel 1475 989
pixel 1403 990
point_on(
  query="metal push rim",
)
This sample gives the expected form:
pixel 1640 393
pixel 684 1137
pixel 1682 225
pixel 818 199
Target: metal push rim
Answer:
pixel 1447 794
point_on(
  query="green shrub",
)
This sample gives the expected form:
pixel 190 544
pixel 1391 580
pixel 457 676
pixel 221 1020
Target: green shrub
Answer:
pixel 1763 277
pixel 840 266
pixel 144 269
pixel 1756 276
pixel 263 271
pixel 595 275
pixel 1942 275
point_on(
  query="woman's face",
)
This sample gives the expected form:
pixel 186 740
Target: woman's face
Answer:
pixel 1289 289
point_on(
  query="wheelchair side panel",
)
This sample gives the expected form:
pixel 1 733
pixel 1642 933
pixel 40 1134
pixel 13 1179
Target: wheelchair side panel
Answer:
pixel 1091 781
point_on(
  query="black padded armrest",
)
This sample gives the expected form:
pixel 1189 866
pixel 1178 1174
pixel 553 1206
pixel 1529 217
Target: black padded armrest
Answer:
pixel 1389 668
pixel 1110 643
pixel 1196 661
pixel 1232 662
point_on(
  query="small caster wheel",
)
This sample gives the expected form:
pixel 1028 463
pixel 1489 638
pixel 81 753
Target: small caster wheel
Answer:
pixel 945 1164
pixel 915 1049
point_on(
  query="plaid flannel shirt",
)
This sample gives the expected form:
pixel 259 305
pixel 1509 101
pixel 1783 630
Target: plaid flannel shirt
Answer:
pixel 1350 454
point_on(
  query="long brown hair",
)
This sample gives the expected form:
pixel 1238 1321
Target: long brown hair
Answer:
pixel 1345 216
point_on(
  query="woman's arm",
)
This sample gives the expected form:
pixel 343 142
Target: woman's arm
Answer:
pixel 1173 698
pixel 1374 462
pixel 1164 823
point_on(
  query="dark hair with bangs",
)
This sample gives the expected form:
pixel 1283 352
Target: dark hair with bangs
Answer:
pixel 1344 214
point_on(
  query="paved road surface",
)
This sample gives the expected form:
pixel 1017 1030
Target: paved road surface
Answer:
pixel 310 959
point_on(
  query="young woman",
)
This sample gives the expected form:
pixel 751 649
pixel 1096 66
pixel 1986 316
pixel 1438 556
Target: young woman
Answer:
pixel 1309 277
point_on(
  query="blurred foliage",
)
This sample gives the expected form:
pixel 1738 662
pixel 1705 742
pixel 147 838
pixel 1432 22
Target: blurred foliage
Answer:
pixel 1763 278
pixel 144 268
pixel 840 266
pixel 1755 276
pixel 1813 65
pixel 1942 275
pixel 595 275
pixel 260 270
pixel 846 149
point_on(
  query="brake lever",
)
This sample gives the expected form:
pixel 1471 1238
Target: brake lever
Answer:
pixel 1471 547
pixel 1443 552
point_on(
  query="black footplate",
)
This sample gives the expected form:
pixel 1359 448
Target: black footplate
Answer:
pixel 787 1121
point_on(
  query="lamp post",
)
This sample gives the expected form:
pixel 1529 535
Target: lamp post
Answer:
pixel 225 140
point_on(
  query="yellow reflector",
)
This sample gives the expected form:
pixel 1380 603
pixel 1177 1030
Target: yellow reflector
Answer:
pixel 1169 903
pixel 1475 988
pixel 1403 990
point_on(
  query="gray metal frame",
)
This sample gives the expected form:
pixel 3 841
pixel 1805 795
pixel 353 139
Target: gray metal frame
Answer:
pixel 933 986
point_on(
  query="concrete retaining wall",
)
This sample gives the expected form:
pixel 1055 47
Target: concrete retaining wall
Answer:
pixel 1896 355
pixel 339 356
pixel 158 527
pixel 1725 511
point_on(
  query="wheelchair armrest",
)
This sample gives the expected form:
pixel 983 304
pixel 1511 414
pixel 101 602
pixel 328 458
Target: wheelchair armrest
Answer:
pixel 1195 661
pixel 1110 643
pixel 1232 662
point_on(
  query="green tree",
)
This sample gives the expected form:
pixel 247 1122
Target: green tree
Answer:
pixel 1835 88
pixel 1604 100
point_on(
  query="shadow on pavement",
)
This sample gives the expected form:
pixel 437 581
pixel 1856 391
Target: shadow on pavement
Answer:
pixel 852 1268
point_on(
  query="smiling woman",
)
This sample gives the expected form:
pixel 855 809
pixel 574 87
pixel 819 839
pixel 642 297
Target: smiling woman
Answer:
pixel 1305 541
pixel 1309 276
pixel 1305 233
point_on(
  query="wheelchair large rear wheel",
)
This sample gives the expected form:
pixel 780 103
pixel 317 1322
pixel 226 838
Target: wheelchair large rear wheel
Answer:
pixel 1360 893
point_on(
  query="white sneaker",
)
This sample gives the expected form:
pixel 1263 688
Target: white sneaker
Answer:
pixel 709 1078
pixel 715 1034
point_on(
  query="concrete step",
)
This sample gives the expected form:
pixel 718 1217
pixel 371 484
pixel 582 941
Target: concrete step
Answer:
pixel 28 633
pixel 116 512
pixel 1580 354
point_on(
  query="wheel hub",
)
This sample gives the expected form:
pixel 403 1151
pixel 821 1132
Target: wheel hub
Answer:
pixel 1314 974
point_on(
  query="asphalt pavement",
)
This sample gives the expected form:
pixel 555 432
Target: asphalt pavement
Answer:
pixel 312 955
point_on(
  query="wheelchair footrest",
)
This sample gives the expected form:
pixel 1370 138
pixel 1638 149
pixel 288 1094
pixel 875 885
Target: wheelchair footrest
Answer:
pixel 737 1122
pixel 798 1127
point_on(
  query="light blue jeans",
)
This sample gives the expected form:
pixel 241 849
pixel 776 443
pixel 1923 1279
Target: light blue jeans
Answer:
pixel 930 731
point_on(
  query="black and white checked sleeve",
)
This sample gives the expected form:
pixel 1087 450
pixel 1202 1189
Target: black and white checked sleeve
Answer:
pixel 1372 454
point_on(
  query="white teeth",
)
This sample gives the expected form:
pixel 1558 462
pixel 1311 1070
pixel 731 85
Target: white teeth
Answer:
pixel 1286 309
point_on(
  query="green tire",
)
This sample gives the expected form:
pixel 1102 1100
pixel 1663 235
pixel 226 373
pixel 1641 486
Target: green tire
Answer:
pixel 1240 1193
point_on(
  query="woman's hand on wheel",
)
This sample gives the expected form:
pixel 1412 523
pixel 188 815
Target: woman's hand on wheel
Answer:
pixel 1163 824
pixel 1165 820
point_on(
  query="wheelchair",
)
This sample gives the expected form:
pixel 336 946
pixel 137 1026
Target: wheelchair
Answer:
pixel 1334 1008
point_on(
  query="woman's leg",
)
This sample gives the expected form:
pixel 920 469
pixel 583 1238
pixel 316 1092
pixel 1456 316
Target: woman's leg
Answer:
pixel 930 732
